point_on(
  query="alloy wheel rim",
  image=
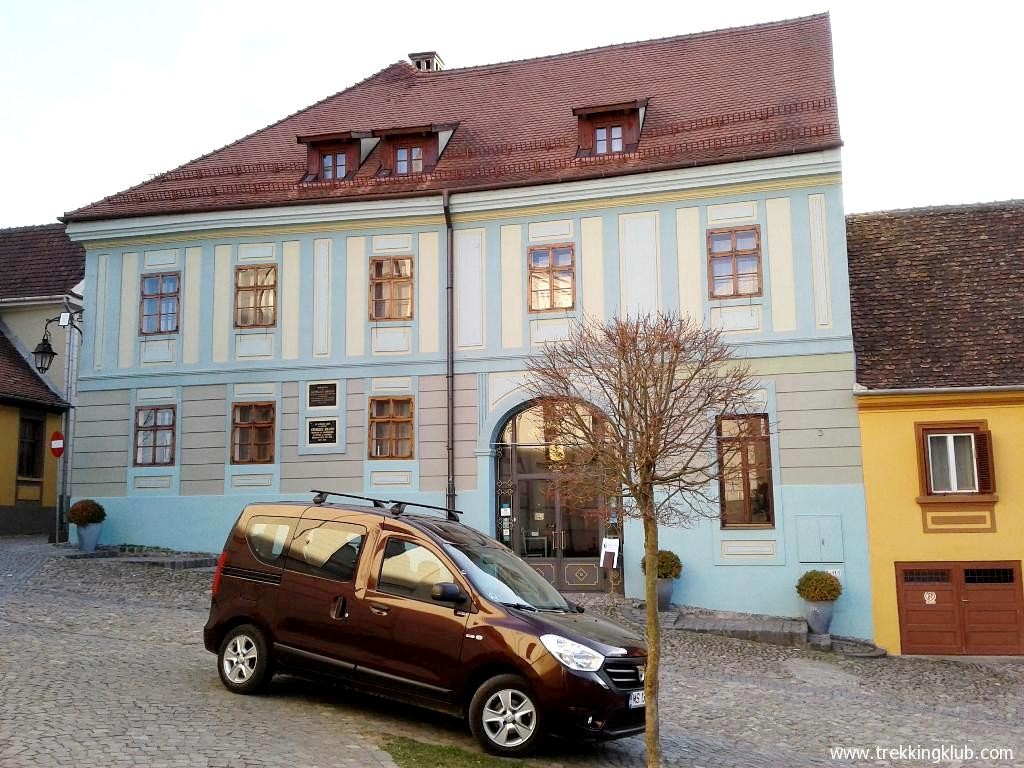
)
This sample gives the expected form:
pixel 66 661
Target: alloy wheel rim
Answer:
pixel 509 717
pixel 240 659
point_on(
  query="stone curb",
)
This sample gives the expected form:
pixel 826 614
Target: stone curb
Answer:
pixel 172 561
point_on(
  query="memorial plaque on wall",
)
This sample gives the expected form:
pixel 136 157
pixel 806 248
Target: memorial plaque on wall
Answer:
pixel 323 394
pixel 322 431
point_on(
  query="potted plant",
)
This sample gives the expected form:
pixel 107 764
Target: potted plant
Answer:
pixel 88 515
pixel 820 590
pixel 669 568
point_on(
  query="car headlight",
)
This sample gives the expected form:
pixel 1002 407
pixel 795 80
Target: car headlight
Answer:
pixel 572 654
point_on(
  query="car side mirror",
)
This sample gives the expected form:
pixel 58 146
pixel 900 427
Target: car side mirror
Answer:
pixel 447 592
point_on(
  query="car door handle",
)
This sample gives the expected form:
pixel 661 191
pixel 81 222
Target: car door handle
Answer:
pixel 340 609
pixel 380 610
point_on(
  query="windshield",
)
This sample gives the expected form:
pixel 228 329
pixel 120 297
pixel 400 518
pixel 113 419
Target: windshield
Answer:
pixel 503 578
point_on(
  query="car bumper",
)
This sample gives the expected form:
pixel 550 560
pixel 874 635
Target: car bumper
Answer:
pixel 588 707
pixel 210 639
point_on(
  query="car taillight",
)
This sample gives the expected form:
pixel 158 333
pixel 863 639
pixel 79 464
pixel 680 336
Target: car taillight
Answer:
pixel 220 567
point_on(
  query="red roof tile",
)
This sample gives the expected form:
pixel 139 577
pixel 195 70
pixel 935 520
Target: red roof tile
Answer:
pixel 20 383
pixel 936 296
pixel 734 94
pixel 38 261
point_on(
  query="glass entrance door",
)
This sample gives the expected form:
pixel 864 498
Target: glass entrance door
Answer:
pixel 559 539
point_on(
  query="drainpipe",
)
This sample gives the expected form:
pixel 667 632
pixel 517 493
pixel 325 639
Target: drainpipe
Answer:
pixel 450 345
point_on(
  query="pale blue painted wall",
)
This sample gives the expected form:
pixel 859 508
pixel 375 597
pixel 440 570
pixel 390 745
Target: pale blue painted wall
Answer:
pixel 201 522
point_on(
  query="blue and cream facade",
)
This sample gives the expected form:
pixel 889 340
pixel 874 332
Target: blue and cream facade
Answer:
pixel 638 243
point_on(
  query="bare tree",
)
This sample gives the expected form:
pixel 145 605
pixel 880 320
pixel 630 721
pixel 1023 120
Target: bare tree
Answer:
pixel 632 407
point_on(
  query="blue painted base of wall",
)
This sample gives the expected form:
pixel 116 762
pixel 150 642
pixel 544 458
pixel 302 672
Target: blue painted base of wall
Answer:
pixel 764 585
pixel 202 523
pixel 767 585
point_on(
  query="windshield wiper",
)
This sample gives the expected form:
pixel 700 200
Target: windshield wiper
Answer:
pixel 520 606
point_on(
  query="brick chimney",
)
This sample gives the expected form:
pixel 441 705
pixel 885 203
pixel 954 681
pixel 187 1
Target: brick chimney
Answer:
pixel 428 61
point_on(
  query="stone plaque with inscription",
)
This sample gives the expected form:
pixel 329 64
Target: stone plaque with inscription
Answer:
pixel 322 395
pixel 322 431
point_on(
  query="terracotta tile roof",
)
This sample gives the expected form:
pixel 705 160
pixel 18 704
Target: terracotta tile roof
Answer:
pixel 20 383
pixel 937 296
pixel 38 261
pixel 734 94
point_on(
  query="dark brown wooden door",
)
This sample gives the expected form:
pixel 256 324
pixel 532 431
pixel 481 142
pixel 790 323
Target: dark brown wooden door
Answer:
pixel 961 608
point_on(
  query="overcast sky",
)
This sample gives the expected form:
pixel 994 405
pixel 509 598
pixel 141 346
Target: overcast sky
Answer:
pixel 100 95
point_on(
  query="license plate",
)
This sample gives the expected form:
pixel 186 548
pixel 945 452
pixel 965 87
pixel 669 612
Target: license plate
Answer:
pixel 636 699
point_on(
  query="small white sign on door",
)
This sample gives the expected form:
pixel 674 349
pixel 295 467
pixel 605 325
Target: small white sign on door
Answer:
pixel 609 553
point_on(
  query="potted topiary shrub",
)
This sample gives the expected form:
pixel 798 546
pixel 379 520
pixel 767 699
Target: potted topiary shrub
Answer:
pixel 88 515
pixel 820 590
pixel 669 568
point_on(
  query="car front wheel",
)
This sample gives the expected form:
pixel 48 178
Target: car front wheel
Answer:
pixel 504 716
pixel 243 661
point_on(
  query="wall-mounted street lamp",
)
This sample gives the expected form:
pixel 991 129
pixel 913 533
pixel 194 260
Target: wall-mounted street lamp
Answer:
pixel 43 354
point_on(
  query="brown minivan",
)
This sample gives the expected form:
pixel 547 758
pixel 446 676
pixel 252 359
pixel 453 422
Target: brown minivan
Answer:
pixel 423 609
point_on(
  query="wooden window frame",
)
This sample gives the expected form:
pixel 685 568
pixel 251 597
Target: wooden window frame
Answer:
pixel 173 429
pixel 984 464
pixel 410 147
pixel 411 279
pixel 334 153
pixel 159 296
pixel 549 271
pixel 40 446
pixel 239 290
pixel 721 441
pixel 236 427
pixel 609 126
pixel 735 255
pixel 371 421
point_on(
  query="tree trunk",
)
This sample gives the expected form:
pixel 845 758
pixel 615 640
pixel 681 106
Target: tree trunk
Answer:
pixel 652 734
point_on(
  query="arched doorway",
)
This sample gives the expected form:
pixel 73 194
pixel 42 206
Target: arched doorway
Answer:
pixel 559 537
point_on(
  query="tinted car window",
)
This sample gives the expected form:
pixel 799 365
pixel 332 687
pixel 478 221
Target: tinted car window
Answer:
pixel 329 550
pixel 410 570
pixel 268 536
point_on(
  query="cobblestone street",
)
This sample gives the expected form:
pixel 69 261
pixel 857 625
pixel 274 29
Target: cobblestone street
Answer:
pixel 102 664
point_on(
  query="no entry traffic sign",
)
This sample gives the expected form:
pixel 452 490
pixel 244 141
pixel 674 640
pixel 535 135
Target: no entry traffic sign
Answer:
pixel 57 444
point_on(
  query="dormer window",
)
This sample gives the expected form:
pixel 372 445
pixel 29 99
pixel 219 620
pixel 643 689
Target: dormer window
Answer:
pixel 334 157
pixel 408 159
pixel 611 128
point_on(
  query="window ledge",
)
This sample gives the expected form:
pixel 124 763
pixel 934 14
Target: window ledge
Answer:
pixel 986 500
pixel 749 527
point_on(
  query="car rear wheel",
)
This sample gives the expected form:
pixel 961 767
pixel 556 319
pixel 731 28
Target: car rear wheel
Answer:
pixel 504 716
pixel 243 661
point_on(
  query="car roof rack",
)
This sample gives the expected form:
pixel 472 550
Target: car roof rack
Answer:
pixel 395 506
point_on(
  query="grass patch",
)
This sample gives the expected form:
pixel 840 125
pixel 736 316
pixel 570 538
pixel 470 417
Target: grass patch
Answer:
pixel 409 753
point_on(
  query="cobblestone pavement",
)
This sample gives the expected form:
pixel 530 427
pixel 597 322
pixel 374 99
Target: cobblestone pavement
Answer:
pixel 102 664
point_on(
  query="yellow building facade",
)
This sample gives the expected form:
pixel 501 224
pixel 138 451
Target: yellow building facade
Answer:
pixel 938 324
pixel 39 301
pixel 37 488
pixel 907 528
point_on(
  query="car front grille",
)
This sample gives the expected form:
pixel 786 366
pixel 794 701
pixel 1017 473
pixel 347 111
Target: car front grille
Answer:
pixel 626 674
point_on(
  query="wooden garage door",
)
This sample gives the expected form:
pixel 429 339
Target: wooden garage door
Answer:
pixel 961 608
